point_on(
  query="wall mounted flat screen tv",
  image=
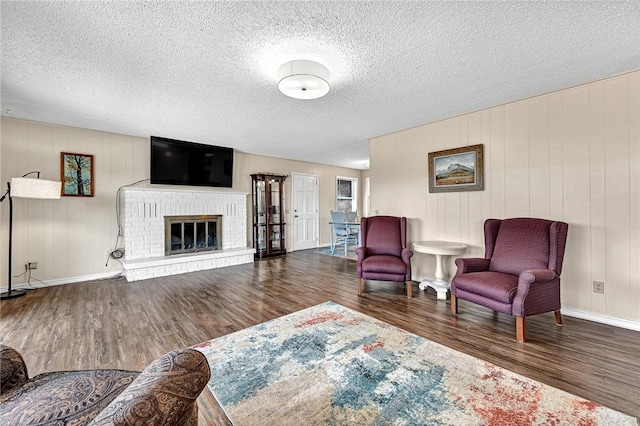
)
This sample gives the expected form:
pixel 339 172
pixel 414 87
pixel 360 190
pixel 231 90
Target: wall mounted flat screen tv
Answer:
pixel 175 162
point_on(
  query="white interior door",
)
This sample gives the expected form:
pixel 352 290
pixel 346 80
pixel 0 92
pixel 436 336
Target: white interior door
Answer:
pixel 305 211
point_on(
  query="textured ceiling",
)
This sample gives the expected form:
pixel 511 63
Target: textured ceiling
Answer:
pixel 206 71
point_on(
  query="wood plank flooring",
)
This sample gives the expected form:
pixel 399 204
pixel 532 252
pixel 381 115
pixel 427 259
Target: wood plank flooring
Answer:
pixel 115 324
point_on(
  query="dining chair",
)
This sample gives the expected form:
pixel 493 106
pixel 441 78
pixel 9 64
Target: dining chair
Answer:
pixel 343 234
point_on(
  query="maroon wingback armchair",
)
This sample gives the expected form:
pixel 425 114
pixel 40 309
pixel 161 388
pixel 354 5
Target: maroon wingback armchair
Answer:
pixel 384 255
pixel 520 272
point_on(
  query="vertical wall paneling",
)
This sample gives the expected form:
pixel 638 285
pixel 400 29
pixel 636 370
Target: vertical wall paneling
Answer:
pixel 496 163
pixel 539 157
pixel 634 195
pixel 575 143
pixel 60 254
pixel 431 200
pixel 617 168
pixel 463 140
pixel 451 217
pixel 572 155
pixel 33 213
pixel 487 136
pixel 474 237
pixel 597 222
pixel 516 158
pixel 416 180
pixel 556 158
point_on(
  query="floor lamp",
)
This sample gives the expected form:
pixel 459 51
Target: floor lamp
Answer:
pixel 24 187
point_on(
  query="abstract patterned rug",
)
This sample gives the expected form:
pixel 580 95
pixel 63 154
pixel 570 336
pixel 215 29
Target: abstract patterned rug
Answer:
pixel 331 365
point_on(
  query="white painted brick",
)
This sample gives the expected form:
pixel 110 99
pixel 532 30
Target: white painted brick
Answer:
pixel 143 214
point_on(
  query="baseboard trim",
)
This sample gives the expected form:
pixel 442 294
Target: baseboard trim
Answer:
pixel 603 319
pixel 61 281
pixel 575 313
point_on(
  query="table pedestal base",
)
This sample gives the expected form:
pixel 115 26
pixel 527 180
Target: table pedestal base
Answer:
pixel 440 286
pixel 440 249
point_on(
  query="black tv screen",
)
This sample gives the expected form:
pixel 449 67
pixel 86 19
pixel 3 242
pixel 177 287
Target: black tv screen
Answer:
pixel 175 162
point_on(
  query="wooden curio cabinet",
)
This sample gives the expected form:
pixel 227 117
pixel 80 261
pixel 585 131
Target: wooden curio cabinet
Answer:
pixel 268 214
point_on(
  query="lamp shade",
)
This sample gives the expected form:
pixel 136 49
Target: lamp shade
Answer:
pixel 302 79
pixel 35 188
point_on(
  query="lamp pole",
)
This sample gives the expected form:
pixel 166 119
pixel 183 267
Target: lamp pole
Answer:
pixel 10 294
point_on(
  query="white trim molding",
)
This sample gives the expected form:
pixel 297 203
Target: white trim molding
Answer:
pixel 602 319
pixel 68 280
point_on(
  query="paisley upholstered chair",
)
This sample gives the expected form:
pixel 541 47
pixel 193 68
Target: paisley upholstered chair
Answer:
pixel 164 393
pixel 384 255
pixel 520 272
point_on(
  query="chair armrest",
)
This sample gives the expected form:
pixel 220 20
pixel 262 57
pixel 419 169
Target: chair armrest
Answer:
pixel 164 393
pixel 535 282
pixel 531 276
pixel 467 265
pixel 13 370
pixel 361 252
pixel 406 255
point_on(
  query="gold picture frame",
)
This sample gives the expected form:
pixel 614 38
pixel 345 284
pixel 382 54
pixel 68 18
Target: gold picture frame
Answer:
pixel 457 169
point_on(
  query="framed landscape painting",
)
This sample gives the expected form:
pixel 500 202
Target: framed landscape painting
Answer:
pixel 76 172
pixel 458 169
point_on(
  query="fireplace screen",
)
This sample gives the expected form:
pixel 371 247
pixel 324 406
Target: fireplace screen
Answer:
pixel 188 234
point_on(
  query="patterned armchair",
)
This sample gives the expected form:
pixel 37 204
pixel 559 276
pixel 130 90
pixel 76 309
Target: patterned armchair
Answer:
pixel 164 393
pixel 520 272
pixel 384 255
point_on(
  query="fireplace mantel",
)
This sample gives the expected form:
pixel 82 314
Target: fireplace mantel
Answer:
pixel 143 212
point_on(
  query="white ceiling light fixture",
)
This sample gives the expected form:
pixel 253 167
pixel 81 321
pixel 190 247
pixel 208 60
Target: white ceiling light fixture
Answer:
pixel 301 79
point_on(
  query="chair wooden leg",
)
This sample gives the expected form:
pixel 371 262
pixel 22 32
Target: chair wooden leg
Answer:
pixel 521 333
pixel 359 285
pixel 454 305
pixel 409 290
pixel 558 318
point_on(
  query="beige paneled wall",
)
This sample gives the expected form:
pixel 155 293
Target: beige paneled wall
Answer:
pixel 69 237
pixel 572 155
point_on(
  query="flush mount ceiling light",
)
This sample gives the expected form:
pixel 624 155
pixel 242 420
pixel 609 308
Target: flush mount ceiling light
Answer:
pixel 302 79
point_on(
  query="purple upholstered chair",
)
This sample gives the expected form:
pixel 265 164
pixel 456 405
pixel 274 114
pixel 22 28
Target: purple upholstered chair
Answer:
pixel 520 272
pixel 384 255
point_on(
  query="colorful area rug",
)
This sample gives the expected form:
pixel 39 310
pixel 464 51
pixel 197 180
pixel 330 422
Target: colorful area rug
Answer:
pixel 339 252
pixel 331 365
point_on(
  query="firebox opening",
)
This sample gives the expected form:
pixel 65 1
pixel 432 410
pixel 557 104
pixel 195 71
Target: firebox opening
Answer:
pixel 189 234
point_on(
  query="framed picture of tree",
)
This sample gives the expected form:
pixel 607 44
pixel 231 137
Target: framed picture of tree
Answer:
pixel 76 172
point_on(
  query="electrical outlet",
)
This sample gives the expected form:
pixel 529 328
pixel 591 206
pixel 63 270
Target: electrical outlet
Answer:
pixel 31 265
pixel 598 287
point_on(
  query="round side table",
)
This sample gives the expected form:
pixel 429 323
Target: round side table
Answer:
pixel 439 249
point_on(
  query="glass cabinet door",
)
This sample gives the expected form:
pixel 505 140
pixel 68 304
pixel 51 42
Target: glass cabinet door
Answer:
pixel 268 220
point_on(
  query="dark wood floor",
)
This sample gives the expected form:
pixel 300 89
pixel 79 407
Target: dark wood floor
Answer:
pixel 115 324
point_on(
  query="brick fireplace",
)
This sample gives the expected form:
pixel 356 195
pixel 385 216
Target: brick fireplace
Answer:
pixel 144 215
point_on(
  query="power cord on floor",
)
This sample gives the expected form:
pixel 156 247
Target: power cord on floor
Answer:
pixel 29 278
